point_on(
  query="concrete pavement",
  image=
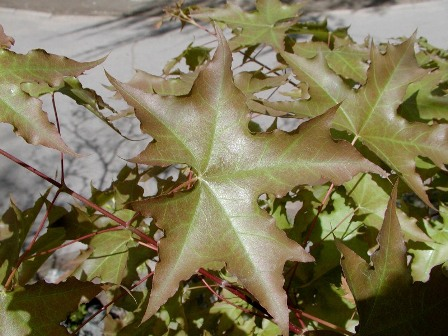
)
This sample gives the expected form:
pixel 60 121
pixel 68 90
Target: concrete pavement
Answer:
pixel 132 42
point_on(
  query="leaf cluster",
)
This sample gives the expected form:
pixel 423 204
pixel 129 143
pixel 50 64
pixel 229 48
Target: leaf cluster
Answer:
pixel 261 173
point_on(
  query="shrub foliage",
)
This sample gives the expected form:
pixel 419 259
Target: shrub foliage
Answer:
pixel 287 174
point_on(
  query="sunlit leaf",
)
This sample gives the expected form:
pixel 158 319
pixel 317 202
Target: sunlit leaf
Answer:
pixel 370 113
pixel 24 112
pixel 267 24
pixel 208 131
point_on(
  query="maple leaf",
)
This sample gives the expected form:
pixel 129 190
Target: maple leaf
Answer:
pixel 21 110
pixel 267 24
pixel 387 301
pixel 370 113
pixel 208 130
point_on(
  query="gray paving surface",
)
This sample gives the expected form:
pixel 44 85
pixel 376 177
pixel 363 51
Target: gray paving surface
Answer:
pixel 132 42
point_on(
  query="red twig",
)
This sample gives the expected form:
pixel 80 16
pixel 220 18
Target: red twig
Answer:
pixel 323 322
pixel 37 254
pixel 59 131
pixel 227 301
pixel 81 198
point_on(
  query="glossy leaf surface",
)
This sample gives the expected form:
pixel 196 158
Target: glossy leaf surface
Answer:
pixel 208 131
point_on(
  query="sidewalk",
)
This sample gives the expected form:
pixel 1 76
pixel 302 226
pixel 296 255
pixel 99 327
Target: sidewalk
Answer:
pixel 133 43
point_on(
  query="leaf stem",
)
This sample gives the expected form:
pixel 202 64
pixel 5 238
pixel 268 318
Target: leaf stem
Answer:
pixel 59 131
pixel 323 322
pixel 37 254
pixel 319 211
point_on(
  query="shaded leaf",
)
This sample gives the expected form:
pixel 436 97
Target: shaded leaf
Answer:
pixel 386 286
pixel 15 225
pixel 426 98
pixel 267 24
pixel 319 31
pixel 23 112
pixel 372 200
pixel 194 57
pixel 40 308
pixel 109 258
pixel 431 253
pixel 370 113
pixel 50 239
pixel 208 131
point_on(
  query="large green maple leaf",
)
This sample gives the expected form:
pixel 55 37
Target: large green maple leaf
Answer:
pixel 267 24
pixel 219 219
pixel 387 301
pixel 21 110
pixel 370 113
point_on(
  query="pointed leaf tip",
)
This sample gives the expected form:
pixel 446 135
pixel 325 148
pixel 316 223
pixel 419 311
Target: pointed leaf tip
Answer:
pixel 208 130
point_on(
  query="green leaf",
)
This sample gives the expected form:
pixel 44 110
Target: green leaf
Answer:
pixel 208 131
pixel 250 82
pixel 177 86
pixel 426 96
pixel 372 200
pixel 349 62
pixel 386 287
pixel 50 239
pixel 14 228
pixel 267 24
pixel 40 308
pixel 432 253
pixel 109 258
pixel 370 113
pixel 24 112
pixel 320 32
pixel 194 57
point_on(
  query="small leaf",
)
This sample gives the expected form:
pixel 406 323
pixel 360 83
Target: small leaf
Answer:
pixel 194 57
pixel 177 86
pixel 25 113
pixel 267 24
